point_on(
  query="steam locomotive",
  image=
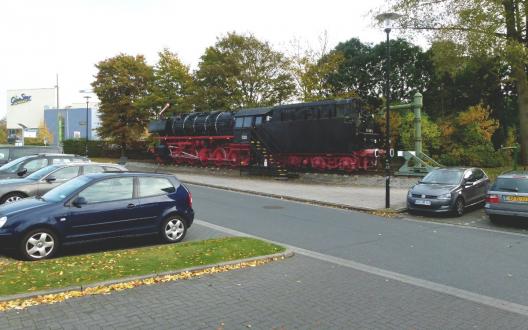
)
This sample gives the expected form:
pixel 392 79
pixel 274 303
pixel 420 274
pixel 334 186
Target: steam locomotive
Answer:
pixel 326 136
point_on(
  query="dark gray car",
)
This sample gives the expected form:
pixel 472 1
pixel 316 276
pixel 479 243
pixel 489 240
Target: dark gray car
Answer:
pixel 448 190
pixel 47 178
pixel 24 166
pixel 508 196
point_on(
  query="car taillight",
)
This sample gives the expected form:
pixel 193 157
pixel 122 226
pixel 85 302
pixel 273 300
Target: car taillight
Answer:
pixel 189 199
pixel 492 199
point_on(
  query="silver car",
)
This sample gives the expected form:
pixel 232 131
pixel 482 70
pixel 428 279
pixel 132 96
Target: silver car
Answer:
pixel 47 178
pixel 508 196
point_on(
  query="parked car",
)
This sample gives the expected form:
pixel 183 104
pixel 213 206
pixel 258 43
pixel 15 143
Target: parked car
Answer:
pixel 448 190
pixel 96 206
pixel 508 196
pixel 9 152
pixel 40 182
pixel 24 166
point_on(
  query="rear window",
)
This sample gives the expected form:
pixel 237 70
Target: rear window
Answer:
pixel 511 185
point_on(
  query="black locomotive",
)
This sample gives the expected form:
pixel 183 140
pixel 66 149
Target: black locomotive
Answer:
pixel 326 135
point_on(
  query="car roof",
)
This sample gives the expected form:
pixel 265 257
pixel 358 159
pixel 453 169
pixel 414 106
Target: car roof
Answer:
pixel 514 174
pixel 454 168
pixel 128 173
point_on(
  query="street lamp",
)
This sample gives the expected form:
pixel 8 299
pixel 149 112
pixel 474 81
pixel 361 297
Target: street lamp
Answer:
pixel 387 19
pixel 87 97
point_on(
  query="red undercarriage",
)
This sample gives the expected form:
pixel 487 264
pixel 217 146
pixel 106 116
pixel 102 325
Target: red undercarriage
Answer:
pixel 221 151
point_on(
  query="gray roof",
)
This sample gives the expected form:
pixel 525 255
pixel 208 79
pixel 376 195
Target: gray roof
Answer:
pixel 253 111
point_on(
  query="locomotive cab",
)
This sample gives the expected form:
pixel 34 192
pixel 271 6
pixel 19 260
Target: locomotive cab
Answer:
pixel 247 120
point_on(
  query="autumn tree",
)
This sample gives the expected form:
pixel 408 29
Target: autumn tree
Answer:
pixel 172 83
pixel 44 136
pixel 242 71
pixel 3 131
pixel 121 84
pixel 479 27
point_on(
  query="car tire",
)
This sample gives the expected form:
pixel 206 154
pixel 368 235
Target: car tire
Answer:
pixel 12 197
pixel 495 219
pixel 459 207
pixel 39 244
pixel 173 229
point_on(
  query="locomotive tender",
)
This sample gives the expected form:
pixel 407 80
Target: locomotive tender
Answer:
pixel 326 135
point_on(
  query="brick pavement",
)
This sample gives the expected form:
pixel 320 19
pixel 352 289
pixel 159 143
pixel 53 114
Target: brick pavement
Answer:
pixel 297 293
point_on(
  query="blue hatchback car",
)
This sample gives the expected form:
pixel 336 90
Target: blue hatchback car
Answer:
pixel 97 206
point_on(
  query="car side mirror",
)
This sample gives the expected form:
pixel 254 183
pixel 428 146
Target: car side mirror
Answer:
pixel 22 172
pixel 51 179
pixel 79 201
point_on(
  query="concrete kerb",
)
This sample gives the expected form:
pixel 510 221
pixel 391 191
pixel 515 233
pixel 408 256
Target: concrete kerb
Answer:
pixel 278 196
pixel 297 199
pixel 22 296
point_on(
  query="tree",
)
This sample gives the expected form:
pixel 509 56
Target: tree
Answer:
pixel 44 136
pixel 311 69
pixel 172 84
pixel 481 27
pixel 242 71
pixel 363 70
pixel 3 131
pixel 122 84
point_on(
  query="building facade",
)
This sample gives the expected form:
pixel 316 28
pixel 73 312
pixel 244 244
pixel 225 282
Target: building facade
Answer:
pixel 67 124
pixel 25 107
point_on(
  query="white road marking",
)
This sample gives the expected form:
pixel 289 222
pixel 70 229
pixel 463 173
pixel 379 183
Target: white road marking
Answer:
pixel 441 288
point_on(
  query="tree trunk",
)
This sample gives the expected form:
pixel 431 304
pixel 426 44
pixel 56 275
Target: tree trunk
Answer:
pixel 522 91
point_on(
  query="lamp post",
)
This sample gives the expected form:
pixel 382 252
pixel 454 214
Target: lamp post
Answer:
pixel 87 97
pixel 387 20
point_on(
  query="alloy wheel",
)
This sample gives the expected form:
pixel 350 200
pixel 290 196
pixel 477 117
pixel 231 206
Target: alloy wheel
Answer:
pixel 40 245
pixel 13 198
pixel 174 229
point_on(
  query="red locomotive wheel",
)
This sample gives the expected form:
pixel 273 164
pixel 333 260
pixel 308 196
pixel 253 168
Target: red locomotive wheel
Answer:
pixel 219 156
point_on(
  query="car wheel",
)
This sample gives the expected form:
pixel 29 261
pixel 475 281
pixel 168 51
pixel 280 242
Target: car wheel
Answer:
pixel 459 207
pixel 39 244
pixel 173 229
pixel 494 219
pixel 12 197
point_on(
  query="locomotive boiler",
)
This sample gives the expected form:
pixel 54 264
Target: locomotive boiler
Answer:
pixel 326 135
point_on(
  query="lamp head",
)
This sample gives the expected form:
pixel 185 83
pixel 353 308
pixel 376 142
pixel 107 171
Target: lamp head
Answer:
pixel 387 19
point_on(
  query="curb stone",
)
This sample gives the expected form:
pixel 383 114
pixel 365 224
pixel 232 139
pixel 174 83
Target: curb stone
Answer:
pixel 286 254
pixel 283 197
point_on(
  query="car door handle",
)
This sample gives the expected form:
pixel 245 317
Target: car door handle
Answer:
pixel 130 206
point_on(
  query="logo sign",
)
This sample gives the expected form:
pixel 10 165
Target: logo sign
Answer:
pixel 23 98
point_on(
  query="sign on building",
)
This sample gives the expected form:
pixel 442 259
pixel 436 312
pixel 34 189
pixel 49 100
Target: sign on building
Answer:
pixel 26 106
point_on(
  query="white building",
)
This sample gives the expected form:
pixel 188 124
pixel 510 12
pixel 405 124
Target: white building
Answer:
pixel 26 107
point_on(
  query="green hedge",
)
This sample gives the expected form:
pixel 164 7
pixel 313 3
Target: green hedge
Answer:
pixel 106 149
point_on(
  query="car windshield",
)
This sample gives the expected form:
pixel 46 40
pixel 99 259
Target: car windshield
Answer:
pixel 519 185
pixel 41 173
pixel 443 177
pixel 13 165
pixel 64 190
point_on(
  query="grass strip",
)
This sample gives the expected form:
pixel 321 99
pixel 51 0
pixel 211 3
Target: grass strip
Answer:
pixel 22 277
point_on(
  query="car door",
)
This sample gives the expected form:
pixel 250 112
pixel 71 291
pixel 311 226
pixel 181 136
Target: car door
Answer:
pixel 154 200
pixel 471 189
pixel 56 178
pixel 110 210
pixel 481 183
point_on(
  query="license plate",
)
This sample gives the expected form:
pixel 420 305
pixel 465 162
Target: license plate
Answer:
pixel 517 198
pixel 422 202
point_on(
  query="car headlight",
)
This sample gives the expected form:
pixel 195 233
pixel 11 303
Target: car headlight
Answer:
pixel 445 196
pixel 2 221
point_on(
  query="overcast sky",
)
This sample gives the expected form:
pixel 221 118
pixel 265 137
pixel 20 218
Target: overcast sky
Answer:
pixel 40 38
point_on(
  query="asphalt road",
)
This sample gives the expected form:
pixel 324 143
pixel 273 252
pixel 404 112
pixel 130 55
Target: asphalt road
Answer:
pixel 486 262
